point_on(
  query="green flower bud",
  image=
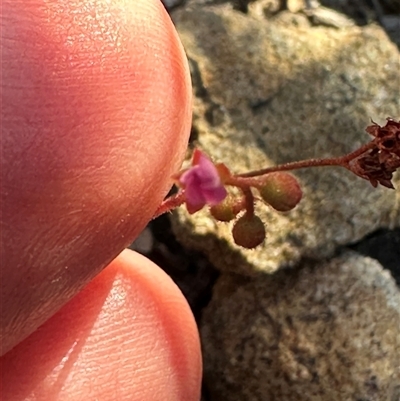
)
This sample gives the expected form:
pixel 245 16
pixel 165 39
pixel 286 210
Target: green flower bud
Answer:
pixel 226 210
pixel 248 231
pixel 281 191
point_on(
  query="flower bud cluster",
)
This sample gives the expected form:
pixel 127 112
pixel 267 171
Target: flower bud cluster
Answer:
pixel 204 184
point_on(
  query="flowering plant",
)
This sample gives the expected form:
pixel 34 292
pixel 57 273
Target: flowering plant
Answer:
pixel 204 183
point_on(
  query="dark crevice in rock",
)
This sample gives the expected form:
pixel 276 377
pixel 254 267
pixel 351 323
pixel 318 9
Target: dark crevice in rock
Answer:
pixel 190 270
pixel 194 136
pixel 362 12
pixel 384 246
pixel 197 81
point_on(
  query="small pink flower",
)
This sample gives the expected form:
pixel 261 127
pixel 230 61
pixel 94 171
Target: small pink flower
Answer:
pixel 202 183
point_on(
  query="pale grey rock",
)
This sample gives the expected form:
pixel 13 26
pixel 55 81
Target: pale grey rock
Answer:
pixel 328 331
pixel 278 90
pixel 328 17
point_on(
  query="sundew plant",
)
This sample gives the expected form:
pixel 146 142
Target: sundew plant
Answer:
pixel 204 183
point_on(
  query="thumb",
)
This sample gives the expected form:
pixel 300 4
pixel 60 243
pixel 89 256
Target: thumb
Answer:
pixel 128 335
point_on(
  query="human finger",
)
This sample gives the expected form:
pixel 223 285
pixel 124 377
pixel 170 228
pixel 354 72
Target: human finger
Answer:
pixel 129 335
pixel 95 119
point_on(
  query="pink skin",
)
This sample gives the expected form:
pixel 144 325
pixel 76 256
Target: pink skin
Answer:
pixel 96 106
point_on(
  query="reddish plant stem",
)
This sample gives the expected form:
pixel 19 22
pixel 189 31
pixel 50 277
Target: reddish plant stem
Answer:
pixel 253 178
pixel 170 203
pixel 249 200
pixel 342 161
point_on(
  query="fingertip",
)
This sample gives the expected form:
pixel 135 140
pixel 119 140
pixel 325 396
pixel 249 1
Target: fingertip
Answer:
pixel 96 118
pixel 129 335
pixel 165 303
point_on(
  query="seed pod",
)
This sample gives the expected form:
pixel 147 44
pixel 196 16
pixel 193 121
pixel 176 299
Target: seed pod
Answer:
pixel 248 231
pixel 281 191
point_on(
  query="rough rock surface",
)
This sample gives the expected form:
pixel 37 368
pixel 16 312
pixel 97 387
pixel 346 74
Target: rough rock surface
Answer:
pixel 278 90
pixel 269 88
pixel 327 331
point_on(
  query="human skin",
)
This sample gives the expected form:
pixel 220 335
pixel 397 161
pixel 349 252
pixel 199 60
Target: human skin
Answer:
pixel 96 105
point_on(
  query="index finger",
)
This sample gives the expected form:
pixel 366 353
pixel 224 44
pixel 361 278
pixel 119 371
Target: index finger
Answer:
pixel 95 120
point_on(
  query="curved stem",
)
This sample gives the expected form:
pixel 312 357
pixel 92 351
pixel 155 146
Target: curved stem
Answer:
pixel 342 161
pixel 254 178
pixel 249 200
pixel 170 203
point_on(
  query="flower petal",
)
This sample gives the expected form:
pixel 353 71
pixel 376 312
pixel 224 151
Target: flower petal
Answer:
pixel 208 173
pixel 194 196
pixel 215 195
pixel 202 183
